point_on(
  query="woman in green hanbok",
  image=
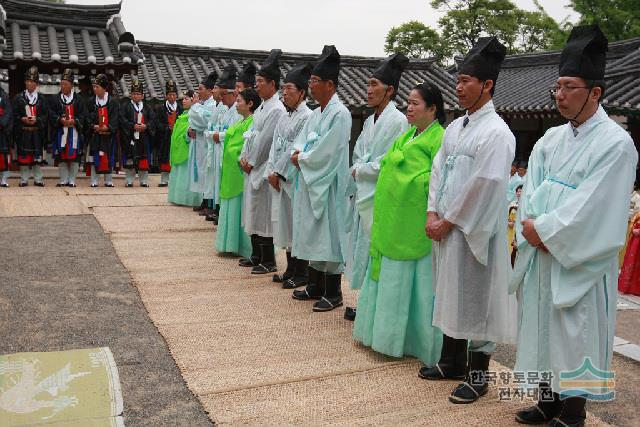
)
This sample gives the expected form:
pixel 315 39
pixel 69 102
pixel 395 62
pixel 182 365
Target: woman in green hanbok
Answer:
pixel 230 236
pixel 396 300
pixel 179 193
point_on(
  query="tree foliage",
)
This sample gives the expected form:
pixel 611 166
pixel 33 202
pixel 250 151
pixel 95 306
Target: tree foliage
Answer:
pixel 618 19
pixel 464 21
pixel 413 39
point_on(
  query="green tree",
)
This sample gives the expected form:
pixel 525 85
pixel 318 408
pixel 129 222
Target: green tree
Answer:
pixel 464 21
pixel 413 39
pixel 618 19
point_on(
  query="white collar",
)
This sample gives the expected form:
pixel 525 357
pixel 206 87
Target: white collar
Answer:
pixel 171 106
pixel 137 106
pixel 101 102
pixel 67 99
pixel 31 97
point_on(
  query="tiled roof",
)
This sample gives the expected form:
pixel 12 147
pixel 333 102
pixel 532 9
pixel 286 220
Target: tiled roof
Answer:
pixel 50 35
pixel 188 65
pixel 524 81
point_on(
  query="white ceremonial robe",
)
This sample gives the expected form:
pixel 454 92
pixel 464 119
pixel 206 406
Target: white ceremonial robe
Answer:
pixel 224 118
pixel 577 192
pixel 471 264
pixel 286 131
pixel 376 138
pixel 199 118
pixel 319 201
pixel 256 209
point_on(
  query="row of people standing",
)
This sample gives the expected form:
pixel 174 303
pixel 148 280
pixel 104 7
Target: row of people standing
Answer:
pixel 419 217
pixel 100 132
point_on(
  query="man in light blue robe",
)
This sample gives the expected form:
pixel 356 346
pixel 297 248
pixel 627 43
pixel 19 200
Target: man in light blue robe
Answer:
pixel 279 167
pixel 378 134
pixel 225 116
pixel 572 224
pixel 199 118
pixel 256 198
pixel 321 155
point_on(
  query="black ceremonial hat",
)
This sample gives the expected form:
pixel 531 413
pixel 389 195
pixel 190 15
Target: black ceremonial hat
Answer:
pixel 585 54
pixel 484 59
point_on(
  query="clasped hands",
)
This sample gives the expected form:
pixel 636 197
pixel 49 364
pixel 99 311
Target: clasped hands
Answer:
pixel 529 232
pixel 437 229
pixel 246 167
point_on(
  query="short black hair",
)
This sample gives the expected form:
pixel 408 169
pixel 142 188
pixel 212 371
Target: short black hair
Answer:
pixel 431 95
pixel 251 95
pixel 518 187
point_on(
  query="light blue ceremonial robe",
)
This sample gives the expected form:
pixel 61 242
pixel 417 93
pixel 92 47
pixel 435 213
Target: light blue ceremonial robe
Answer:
pixel 256 210
pixel 515 181
pixel 376 138
pixel 224 118
pixel 214 155
pixel 287 129
pixel 199 119
pixel 577 191
pixel 319 201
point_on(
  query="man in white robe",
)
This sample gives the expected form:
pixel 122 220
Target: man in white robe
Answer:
pixel 256 210
pixel 467 220
pixel 378 134
pixel 226 116
pixel 279 168
pixel 199 119
pixel 573 220
pixel 321 155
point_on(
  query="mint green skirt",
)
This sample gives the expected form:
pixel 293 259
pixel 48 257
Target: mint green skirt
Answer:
pixel 394 314
pixel 179 193
pixel 230 237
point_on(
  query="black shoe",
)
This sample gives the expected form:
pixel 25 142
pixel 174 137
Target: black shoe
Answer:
pixel 109 184
pixel 328 303
pixel 573 413
pixel 61 184
pixel 212 217
pixel 264 269
pixel 332 293
pixel 145 185
pixel 452 364
pixel 129 185
pixel 39 184
pixel 467 393
pixel 533 415
pixel 205 212
pixel 295 282
pixel 314 289
pixel 163 184
pixel 567 422
pixel 71 185
pixel 350 314
pixel 548 407
pixel 24 184
pixel 249 262
pixel 94 185
pixel 475 384
pixel 441 372
pixel 4 185
pixel 288 273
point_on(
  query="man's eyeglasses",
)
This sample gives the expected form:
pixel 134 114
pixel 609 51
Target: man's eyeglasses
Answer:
pixel 567 89
pixel 313 81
